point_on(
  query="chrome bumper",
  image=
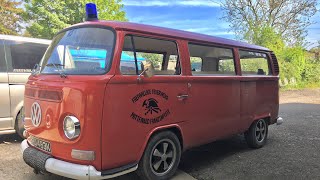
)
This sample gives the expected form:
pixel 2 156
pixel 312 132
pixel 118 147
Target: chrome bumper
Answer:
pixel 279 120
pixel 75 171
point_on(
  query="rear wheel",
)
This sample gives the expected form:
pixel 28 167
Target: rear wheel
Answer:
pixel 19 125
pixel 257 134
pixel 161 157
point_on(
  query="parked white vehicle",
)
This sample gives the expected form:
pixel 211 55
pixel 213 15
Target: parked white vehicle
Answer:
pixel 18 56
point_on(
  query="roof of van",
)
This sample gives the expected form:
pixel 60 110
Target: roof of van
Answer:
pixel 175 33
pixel 25 39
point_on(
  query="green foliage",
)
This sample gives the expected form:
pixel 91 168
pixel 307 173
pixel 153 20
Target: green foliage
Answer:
pixel 294 62
pixel 10 14
pixel 47 17
pixel 152 57
pixel 279 26
pixel 226 65
pixel 253 64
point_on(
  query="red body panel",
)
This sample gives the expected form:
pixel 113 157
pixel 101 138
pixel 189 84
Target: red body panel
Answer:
pixel 83 98
pixel 113 108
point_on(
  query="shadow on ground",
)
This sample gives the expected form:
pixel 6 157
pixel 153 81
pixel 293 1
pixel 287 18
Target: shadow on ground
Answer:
pixel 209 154
pixel 10 138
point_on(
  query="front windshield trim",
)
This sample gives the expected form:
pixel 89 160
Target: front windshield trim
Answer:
pixel 107 68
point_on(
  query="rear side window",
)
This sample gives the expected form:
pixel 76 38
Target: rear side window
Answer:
pixel 210 60
pixel 3 65
pixel 162 54
pixel 254 63
pixel 22 56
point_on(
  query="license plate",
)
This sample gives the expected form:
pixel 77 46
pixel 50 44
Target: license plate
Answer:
pixel 41 144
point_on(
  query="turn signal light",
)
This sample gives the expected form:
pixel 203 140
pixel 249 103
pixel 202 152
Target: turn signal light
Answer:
pixel 82 155
pixel 25 134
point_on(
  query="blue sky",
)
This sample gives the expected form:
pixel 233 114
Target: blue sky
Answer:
pixel 202 16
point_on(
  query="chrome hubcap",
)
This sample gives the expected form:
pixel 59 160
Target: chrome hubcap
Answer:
pixel 261 130
pixel 163 157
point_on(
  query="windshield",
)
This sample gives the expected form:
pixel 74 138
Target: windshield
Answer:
pixel 86 50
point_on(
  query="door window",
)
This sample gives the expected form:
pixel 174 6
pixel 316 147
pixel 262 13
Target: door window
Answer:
pixel 210 60
pixel 254 63
pixel 162 54
pixel 22 56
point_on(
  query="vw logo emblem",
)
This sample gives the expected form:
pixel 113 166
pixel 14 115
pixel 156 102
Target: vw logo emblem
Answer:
pixel 36 114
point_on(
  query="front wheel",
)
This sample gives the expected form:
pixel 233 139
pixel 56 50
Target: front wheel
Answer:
pixel 257 134
pixel 19 125
pixel 161 157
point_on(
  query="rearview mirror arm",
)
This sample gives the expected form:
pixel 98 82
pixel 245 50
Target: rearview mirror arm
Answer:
pixel 139 76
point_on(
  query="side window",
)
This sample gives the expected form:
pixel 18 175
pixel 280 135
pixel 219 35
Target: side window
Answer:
pixel 3 65
pixel 254 63
pixel 210 60
pixel 196 64
pixel 22 56
pixel 161 53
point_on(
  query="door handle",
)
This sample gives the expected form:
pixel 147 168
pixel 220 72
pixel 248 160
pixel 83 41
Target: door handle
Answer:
pixel 182 97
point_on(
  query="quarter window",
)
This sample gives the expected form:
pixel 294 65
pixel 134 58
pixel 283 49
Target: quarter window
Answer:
pixel 210 60
pixel 138 50
pixel 254 63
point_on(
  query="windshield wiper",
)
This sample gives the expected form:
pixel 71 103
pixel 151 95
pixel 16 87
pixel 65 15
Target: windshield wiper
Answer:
pixel 61 72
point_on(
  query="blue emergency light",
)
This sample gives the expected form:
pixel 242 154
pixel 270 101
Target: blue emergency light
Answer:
pixel 91 12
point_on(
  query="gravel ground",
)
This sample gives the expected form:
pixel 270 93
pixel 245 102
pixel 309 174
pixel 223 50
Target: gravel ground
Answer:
pixel 292 150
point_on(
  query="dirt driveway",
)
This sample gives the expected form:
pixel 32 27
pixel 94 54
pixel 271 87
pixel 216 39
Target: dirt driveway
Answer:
pixel 310 96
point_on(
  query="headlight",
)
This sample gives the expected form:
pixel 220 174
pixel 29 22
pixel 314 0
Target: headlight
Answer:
pixel 71 127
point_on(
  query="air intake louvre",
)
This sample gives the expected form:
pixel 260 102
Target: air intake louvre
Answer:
pixel 275 63
pixel 42 94
pixel 30 92
pixel 50 95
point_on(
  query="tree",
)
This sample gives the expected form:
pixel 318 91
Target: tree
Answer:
pixel 10 15
pixel 289 18
pixel 47 17
pixel 316 51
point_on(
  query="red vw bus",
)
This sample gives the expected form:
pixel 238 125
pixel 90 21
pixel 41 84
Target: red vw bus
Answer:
pixel 110 98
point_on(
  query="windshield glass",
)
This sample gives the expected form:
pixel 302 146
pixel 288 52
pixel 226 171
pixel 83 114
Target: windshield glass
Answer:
pixel 84 50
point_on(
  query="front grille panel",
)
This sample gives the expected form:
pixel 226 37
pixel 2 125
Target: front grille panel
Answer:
pixel 30 92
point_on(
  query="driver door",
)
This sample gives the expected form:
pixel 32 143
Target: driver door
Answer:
pixel 136 107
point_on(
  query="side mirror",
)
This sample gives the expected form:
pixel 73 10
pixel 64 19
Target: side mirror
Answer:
pixel 147 70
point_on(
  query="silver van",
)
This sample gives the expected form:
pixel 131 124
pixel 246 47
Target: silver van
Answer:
pixel 18 56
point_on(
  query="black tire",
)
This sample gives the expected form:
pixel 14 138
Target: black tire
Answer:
pixel 149 167
pixel 256 135
pixel 19 125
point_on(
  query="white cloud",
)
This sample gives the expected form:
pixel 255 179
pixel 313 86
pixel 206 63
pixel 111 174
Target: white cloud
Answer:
pixel 205 29
pixel 211 31
pixel 208 3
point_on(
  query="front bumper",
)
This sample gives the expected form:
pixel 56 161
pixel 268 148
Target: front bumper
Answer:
pixel 46 163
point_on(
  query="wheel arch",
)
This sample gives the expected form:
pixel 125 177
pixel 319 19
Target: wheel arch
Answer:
pixel 175 128
pixel 16 111
pixel 267 117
